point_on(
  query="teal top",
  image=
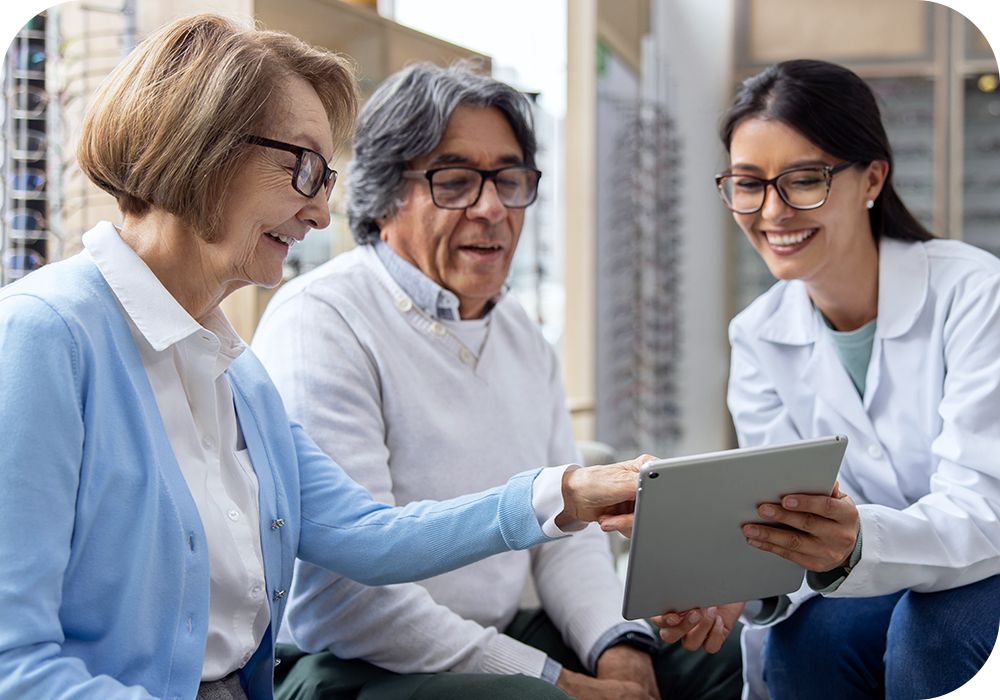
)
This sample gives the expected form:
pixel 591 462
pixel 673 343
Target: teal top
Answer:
pixel 855 350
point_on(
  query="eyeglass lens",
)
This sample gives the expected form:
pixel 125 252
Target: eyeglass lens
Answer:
pixel 457 188
pixel 801 189
pixel 310 175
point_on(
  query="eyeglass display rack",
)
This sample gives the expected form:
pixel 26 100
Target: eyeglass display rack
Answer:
pixel 637 281
pixel 53 65
pixel 25 233
pixel 941 108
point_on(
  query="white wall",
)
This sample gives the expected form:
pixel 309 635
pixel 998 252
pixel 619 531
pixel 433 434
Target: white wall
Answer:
pixel 692 44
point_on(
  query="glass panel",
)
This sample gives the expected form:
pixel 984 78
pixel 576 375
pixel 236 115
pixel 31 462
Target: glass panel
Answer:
pixel 981 162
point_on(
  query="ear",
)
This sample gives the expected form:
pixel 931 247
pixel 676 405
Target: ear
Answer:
pixel 874 178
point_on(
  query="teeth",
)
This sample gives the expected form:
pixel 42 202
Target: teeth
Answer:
pixel 789 238
pixel 287 240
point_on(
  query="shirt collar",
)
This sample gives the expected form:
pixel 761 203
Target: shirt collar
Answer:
pixel 903 275
pixel 159 318
pixel 435 300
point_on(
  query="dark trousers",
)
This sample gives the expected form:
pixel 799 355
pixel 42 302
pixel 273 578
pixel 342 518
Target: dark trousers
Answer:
pixel 903 646
pixel 680 674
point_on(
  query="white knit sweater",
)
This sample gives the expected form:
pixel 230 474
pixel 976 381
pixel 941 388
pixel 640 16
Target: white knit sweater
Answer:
pixel 410 412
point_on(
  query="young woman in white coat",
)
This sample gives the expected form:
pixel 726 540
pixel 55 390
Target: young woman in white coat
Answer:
pixel 884 333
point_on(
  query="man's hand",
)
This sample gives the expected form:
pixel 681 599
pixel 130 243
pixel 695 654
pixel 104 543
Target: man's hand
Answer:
pixel 700 628
pixel 626 663
pixel 583 687
pixel 605 493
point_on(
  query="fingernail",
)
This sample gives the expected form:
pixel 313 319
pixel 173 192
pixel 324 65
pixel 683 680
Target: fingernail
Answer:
pixel 672 620
pixel 792 502
pixel 751 531
pixel 711 612
pixel 694 618
pixel 754 543
pixel 767 511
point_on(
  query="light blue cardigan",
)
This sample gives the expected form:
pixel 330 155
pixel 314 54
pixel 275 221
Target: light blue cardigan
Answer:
pixel 104 576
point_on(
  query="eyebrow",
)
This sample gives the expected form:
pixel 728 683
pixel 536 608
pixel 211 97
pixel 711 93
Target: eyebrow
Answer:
pixel 458 159
pixel 812 162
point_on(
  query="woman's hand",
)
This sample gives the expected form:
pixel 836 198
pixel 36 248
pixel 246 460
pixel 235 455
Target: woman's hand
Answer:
pixel 699 628
pixel 825 529
pixel 605 493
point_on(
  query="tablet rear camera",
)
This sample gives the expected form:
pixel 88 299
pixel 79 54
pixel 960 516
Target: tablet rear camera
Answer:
pixel 653 475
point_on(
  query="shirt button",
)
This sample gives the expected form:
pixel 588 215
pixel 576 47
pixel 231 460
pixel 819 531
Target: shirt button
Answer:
pixel 233 514
pixel 207 442
pixel 437 328
pixel 875 452
pixel 404 304
pixel 465 356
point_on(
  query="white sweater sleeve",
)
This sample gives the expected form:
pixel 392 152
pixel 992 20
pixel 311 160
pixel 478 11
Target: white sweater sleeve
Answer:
pixel 329 383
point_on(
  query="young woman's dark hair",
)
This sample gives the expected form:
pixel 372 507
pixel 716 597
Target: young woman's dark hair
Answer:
pixel 836 110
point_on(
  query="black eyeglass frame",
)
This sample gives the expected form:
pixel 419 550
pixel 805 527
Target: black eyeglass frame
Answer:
pixel 484 175
pixel 329 179
pixel 828 172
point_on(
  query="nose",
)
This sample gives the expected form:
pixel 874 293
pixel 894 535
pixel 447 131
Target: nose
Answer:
pixel 316 211
pixel 774 207
pixel 488 206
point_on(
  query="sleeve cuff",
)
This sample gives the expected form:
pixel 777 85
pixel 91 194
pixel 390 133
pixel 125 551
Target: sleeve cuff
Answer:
pixel 770 610
pixel 612 637
pixel 547 501
pixel 551 670
pixel 829 581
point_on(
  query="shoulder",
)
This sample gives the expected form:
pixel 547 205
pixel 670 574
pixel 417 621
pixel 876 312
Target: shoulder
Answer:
pixel 513 325
pixel 760 309
pixel 68 295
pixel 959 259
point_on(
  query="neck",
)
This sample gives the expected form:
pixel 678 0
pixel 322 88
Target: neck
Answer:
pixel 849 299
pixel 179 259
pixel 470 309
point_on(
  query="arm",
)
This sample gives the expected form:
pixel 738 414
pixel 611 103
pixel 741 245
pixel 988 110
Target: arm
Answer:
pixel 331 383
pixel 40 460
pixel 951 536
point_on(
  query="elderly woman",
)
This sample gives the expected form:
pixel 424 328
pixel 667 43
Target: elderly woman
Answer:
pixel 145 450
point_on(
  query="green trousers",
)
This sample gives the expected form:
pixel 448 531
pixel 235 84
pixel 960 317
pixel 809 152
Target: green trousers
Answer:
pixel 680 674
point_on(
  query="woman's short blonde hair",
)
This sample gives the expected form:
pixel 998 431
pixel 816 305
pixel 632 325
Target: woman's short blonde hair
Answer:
pixel 166 128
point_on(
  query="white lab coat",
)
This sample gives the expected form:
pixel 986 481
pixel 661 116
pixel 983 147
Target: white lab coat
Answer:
pixel 923 460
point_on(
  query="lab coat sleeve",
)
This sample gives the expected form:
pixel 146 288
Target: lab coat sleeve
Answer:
pixel 41 454
pixel 331 384
pixel 951 536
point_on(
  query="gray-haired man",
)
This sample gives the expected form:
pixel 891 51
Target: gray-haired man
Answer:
pixel 407 362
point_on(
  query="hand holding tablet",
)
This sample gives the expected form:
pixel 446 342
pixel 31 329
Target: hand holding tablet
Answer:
pixel 688 546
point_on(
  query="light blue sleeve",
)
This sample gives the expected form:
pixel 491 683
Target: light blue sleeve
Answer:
pixel 40 460
pixel 343 529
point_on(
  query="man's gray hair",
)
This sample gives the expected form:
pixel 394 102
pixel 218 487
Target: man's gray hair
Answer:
pixel 404 119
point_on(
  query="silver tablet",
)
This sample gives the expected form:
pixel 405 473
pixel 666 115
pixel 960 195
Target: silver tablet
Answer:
pixel 687 546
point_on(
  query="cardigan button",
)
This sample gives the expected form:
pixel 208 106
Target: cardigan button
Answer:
pixel 279 522
pixel 404 305
pixel 438 328
pixel 278 595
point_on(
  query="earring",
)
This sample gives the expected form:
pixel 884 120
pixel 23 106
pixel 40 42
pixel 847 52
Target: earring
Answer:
pixel 870 203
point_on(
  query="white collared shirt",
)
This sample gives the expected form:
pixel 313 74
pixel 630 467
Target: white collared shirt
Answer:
pixel 186 364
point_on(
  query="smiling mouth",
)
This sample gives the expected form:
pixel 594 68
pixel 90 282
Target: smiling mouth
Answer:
pixel 789 239
pixel 483 249
pixel 287 240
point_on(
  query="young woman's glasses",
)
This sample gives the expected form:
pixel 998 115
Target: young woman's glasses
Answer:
pixel 799 188
pixel 311 173
pixel 459 187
